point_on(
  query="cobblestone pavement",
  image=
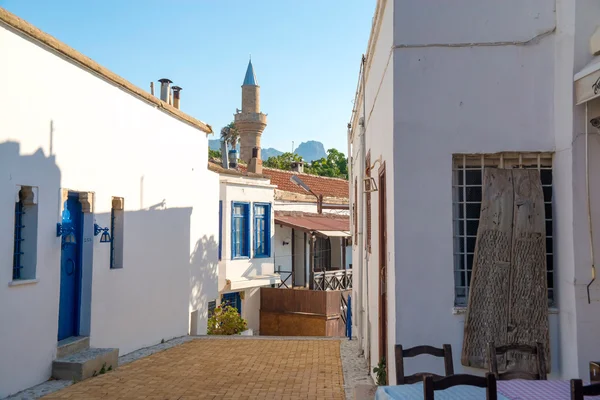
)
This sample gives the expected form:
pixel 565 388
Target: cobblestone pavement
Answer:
pixel 356 371
pixel 224 369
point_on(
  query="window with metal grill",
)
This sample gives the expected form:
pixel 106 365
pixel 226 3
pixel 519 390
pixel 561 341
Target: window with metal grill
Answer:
pixel 25 234
pixel 117 230
pixel 467 195
pixel 262 230
pixel 211 307
pixel 18 251
pixel 240 230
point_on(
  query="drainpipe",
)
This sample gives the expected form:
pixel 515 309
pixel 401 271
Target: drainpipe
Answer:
pixel 363 144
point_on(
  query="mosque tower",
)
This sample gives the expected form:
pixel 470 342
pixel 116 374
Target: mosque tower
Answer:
pixel 250 122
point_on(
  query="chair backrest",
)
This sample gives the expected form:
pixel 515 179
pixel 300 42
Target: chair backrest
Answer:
pixel 430 385
pixel 445 352
pixel 578 391
pixel 537 351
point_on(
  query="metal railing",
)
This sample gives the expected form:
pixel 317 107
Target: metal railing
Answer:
pixel 333 280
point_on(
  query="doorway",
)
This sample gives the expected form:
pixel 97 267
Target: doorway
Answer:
pixel 383 269
pixel 70 268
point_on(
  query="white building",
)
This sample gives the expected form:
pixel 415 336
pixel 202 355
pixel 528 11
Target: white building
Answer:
pixel 442 92
pixel 246 241
pixel 83 148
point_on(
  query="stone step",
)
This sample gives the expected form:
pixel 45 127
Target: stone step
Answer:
pixel 72 345
pixel 85 364
pixel 364 392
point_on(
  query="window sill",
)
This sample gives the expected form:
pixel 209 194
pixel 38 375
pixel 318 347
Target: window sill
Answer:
pixel 463 310
pixel 241 258
pixel 23 282
pixel 262 256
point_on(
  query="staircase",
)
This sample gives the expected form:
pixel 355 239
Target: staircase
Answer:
pixel 75 360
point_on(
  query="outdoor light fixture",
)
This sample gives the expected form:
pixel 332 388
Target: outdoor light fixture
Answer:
pixel 105 238
pixel 67 233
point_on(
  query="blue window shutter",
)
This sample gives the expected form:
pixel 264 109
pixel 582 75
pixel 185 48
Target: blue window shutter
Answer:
pixel 220 228
pixel 240 230
pixel 247 231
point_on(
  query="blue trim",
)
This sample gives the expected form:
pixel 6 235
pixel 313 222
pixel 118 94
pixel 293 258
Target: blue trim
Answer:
pixel 232 299
pixel 112 242
pixel 220 228
pixel 266 219
pixel 18 251
pixel 244 237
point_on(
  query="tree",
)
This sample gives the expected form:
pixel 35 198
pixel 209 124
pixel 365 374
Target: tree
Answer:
pixel 230 135
pixel 282 161
pixel 335 165
pixel 214 153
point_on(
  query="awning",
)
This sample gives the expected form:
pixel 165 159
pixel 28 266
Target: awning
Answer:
pixel 254 281
pixel 334 233
pixel 587 82
pixel 309 222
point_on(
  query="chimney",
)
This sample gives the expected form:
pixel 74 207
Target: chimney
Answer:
pixel 152 88
pixel 298 166
pixel 165 89
pixel 224 157
pixel 255 165
pixel 176 94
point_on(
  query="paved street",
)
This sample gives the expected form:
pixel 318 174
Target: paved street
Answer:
pixel 224 369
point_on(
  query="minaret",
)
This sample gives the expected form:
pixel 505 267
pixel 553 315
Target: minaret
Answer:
pixel 250 122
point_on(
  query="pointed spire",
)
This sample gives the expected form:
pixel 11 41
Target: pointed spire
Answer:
pixel 250 78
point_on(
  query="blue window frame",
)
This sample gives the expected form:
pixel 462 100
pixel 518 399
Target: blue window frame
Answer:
pixel 18 252
pixel 240 230
pixel 220 227
pixel 262 230
pixel 232 299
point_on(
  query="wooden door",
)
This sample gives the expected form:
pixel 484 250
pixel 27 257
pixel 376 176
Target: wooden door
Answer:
pixel 382 267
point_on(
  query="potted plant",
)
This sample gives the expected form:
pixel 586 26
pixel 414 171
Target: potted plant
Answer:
pixel 231 136
pixel 226 320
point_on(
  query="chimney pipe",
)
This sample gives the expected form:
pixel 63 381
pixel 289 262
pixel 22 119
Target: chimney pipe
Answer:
pixel 176 96
pixel 255 165
pixel 298 166
pixel 165 89
pixel 152 88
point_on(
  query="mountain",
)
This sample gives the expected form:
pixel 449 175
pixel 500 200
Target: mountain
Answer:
pixel 269 152
pixel 309 151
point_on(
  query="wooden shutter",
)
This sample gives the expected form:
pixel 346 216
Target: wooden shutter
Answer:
pixel 368 201
pixel 508 296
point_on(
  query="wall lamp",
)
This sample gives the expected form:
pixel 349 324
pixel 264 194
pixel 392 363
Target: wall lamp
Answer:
pixel 105 238
pixel 67 233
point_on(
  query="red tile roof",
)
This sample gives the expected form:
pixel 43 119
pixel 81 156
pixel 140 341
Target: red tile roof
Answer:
pixel 328 187
pixel 313 222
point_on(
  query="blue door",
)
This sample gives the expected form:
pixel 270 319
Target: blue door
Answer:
pixel 70 270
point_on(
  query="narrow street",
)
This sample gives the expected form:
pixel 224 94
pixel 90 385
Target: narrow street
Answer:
pixel 224 369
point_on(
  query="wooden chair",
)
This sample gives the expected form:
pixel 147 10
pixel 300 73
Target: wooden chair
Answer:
pixel 430 385
pixel 537 351
pixel 445 352
pixel 578 391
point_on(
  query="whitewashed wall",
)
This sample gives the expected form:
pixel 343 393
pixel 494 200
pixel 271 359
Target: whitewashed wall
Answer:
pixel 480 98
pixel 251 190
pixel 283 205
pixel 62 127
pixel 283 253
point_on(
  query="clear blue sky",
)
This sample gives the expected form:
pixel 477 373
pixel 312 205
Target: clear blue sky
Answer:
pixel 306 54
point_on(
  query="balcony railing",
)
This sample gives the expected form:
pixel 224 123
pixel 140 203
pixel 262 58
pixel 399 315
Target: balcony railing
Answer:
pixel 333 280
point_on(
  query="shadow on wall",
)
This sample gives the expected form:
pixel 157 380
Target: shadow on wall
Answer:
pixel 204 276
pixel 151 297
pixel 30 340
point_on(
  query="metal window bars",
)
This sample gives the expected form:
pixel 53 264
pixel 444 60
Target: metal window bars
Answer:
pixel 467 195
pixel 18 248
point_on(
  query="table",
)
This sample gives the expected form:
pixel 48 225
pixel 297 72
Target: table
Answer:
pixel 507 390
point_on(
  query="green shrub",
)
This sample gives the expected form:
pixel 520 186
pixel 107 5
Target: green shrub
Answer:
pixel 226 321
pixel 380 372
